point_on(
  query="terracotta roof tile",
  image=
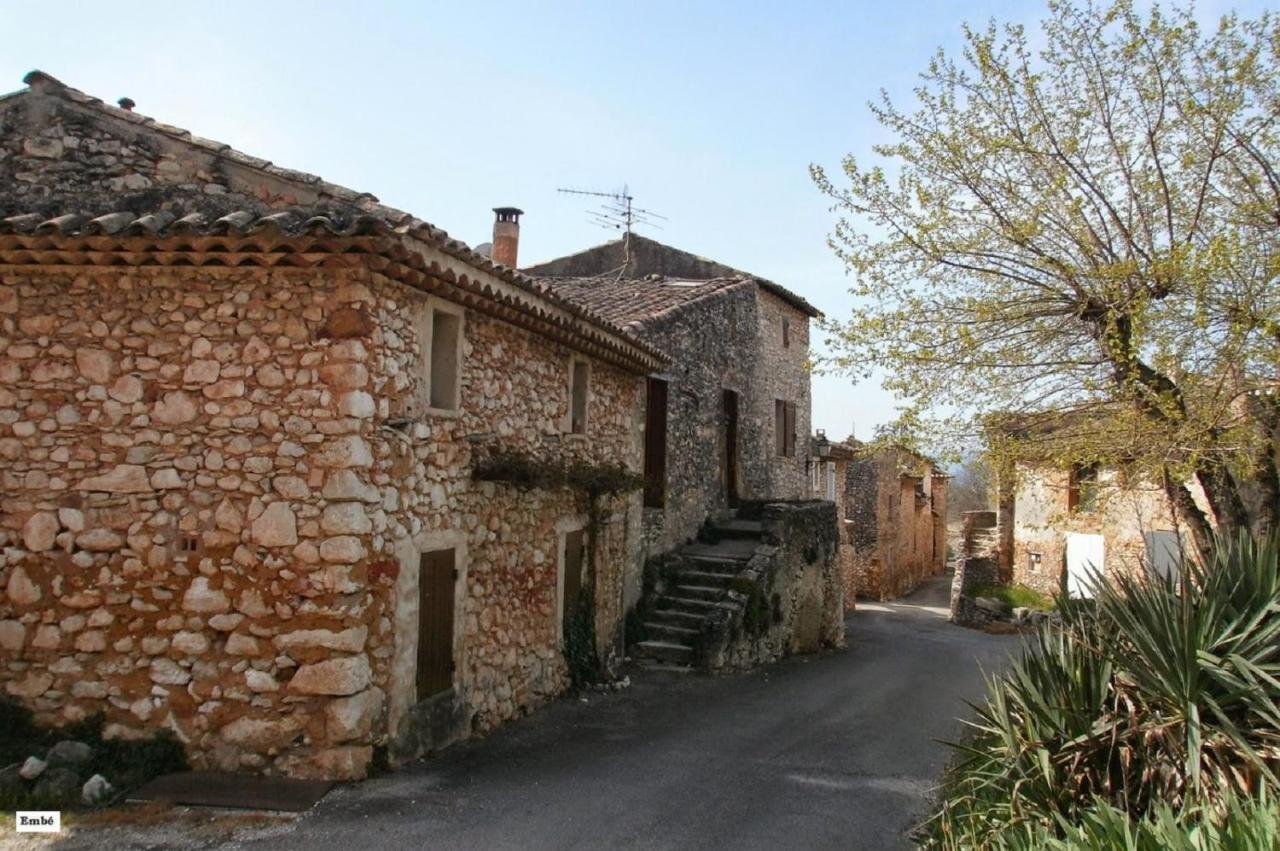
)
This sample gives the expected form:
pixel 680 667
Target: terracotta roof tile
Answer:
pixel 633 303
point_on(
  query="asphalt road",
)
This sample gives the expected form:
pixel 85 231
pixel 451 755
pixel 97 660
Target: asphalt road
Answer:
pixel 834 751
pixel 838 750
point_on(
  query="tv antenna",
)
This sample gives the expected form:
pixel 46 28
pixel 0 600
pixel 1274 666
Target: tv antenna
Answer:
pixel 619 211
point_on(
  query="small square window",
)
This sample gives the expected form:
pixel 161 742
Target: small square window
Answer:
pixel 446 335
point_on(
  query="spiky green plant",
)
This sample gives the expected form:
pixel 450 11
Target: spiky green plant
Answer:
pixel 1158 693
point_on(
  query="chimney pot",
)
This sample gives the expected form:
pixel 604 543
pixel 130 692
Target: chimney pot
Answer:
pixel 126 104
pixel 506 235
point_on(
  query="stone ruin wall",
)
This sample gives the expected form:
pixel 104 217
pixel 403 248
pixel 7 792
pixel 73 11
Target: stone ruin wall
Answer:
pixel 199 511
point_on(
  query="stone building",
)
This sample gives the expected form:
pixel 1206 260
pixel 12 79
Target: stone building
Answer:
pixel 1058 524
pixel 727 421
pixel 896 513
pixel 829 473
pixel 241 413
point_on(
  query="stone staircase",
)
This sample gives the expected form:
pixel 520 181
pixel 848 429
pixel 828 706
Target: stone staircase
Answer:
pixel 695 586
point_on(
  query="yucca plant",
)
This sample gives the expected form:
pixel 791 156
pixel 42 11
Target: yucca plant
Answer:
pixel 1157 696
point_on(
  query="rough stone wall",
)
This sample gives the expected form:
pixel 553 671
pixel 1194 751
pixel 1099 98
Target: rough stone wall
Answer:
pixel 892 530
pixel 791 593
pixel 1039 520
pixel 781 372
pixel 730 342
pixel 508 648
pixel 206 516
pixel 713 348
pixel 169 557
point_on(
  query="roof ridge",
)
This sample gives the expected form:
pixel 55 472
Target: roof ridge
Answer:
pixel 401 222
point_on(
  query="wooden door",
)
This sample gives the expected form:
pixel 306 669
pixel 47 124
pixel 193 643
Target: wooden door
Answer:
pixel 575 548
pixel 436 577
pixel 730 467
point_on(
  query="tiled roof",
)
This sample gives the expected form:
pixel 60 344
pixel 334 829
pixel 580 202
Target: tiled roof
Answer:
pixel 639 257
pixel 118 230
pixel 634 303
pixel 343 211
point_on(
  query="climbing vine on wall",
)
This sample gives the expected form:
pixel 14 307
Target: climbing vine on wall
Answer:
pixel 592 483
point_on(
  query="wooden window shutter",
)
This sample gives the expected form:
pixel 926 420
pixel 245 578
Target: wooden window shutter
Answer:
pixel 655 444
pixel 789 428
pixel 780 426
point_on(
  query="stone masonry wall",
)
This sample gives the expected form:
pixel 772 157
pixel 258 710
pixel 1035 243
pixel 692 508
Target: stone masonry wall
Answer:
pixel 976 566
pixel 894 531
pixel 508 646
pixel 712 346
pixel 205 514
pixel 1039 519
pixel 169 556
pixel 212 500
pixel 782 372
pixel 730 342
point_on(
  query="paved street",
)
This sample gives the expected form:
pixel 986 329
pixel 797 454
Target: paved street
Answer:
pixel 835 751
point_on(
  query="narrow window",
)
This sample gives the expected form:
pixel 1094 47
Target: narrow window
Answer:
pixel 1082 489
pixel 655 444
pixel 445 328
pixel 786 333
pixel 436 574
pixel 578 398
pixel 573 558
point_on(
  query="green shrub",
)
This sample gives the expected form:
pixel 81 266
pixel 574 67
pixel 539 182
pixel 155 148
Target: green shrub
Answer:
pixel 1016 596
pixel 1157 700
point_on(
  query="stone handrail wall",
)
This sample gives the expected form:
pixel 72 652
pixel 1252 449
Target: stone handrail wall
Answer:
pixel 790 597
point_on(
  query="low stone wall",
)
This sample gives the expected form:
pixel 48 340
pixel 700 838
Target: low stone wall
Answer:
pixel 790 597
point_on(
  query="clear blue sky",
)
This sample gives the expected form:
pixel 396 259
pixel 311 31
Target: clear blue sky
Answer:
pixel 710 112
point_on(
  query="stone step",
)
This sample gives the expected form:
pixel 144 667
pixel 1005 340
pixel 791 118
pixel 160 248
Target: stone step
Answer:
pixel 676 617
pixel 706 578
pixel 699 592
pixel 729 567
pixel 665 651
pixel 689 604
pixel 728 549
pixel 668 632
pixel 739 528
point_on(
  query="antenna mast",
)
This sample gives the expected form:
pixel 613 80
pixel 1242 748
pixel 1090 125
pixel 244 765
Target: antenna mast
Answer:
pixel 618 213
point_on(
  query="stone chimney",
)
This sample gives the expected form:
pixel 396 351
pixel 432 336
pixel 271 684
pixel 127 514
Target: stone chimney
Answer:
pixel 506 235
